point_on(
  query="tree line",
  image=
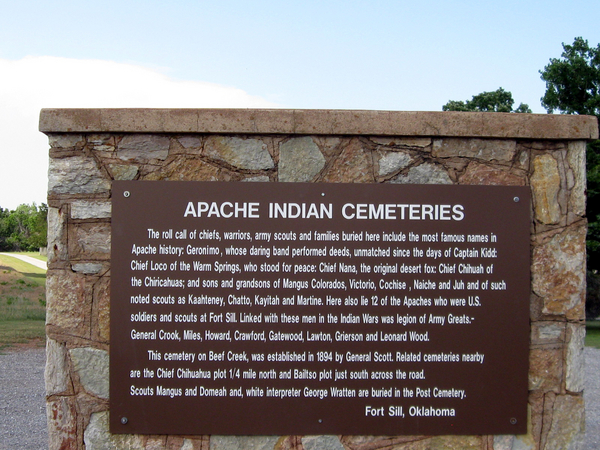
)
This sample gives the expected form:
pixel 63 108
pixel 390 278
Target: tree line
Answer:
pixel 572 87
pixel 24 228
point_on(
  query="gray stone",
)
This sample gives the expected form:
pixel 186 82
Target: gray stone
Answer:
pixel 123 171
pixel 485 149
pixel 56 374
pixel 545 184
pixel 56 230
pixel 88 209
pixel 299 160
pixel 92 366
pixel 260 178
pixel 568 424
pixel 187 445
pixel 250 154
pixel 143 147
pixel 424 174
pixel 243 442
pixel 576 159
pixel 190 142
pixel 321 443
pixel 76 175
pixel 548 332
pixel 66 140
pixel 507 442
pixel 87 268
pixel 575 360
pixel 98 437
pixel 104 140
pixel 392 162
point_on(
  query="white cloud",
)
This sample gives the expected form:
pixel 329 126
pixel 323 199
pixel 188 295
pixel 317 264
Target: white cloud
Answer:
pixel 32 83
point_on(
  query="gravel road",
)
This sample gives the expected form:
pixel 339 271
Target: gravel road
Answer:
pixel 23 408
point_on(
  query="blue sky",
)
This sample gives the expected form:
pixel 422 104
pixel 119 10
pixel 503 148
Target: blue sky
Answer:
pixel 384 55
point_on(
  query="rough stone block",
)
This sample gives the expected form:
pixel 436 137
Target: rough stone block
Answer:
pixel 391 162
pixel 545 185
pixel 191 144
pixel 502 150
pixel 568 424
pixel 243 442
pixel 548 332
pixel 62 423
pixel 89 209
pixel 575 360
pixel 258 179
pixel 91 364
pixel 69 299
pixel 123 171
pixel 484 174
pixel 66 141
pixel 546 369
pixel 576 159
pixel 57 235
pixel 300 160
pixel 89 241
pixel 353 165
pixel 56 374
pixel 424 174
pixel 143 147
pixel 558 273
pixel 101 310
pixel 76 175
pixel 321 443
pixel 88 268
pixel 185 169
pixel 250 154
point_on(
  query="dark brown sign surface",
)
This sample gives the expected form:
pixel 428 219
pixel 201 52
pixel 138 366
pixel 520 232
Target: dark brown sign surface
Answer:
pixel 281 308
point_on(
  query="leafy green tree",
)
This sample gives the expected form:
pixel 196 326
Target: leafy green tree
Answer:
pixel 573 81
pixel 495 101
pixel 25 228
pixel 573 87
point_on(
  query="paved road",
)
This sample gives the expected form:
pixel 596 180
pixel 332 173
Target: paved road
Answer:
pixel 28 260
pixel 23 413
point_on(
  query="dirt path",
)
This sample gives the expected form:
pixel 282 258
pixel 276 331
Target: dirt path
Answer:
pixel 28 260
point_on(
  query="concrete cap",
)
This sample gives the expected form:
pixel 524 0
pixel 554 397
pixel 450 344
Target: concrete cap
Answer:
pixel 321 122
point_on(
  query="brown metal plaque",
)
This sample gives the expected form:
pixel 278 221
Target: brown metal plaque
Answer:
pixel 294 309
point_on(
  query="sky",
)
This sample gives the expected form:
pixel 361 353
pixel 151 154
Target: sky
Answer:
pixel 326 54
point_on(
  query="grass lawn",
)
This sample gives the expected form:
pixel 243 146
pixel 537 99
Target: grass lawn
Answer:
pixel 22 302
pixel 592 337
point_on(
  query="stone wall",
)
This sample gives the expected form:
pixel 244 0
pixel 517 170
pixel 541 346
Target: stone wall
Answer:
pixel 90 148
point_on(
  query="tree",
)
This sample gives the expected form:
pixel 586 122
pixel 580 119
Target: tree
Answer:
pixel 25 228
pixel 573 87
pixel 573 81
pixel 495 101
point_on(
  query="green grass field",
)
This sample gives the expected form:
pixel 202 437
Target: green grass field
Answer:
pixel 22 302
pixel 592 337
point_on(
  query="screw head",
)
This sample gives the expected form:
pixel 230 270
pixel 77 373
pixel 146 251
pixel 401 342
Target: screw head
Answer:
pixel 126 194
pixel 124 420
pixel 516 199
pixel 513 421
